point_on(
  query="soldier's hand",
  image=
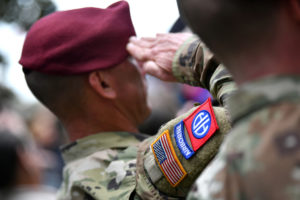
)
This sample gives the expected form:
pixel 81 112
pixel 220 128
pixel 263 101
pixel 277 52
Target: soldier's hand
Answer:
pixel 156 54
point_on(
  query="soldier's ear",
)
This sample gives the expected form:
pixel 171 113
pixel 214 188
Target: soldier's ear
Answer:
pixel 102 83
pixel 295 9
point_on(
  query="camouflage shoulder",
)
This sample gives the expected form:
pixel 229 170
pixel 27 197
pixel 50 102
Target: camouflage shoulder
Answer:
pixel 176 156
pixel 108 174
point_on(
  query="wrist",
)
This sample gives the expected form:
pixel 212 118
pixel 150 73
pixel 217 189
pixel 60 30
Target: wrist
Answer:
pixel 184 60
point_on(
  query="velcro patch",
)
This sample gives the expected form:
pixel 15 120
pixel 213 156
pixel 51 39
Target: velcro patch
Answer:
pixel 201 124
pixel 181 142
pixel 167 160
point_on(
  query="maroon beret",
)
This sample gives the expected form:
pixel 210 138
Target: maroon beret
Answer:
pixel 78 41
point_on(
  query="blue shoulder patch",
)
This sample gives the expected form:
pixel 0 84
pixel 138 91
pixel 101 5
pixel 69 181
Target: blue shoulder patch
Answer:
pixel 183 146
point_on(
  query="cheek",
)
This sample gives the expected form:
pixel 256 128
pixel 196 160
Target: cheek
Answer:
pixel 143 88
pixel 133 86
pixel 138 94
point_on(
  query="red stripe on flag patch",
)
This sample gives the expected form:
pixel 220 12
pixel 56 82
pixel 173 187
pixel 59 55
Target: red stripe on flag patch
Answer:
pixel 167 160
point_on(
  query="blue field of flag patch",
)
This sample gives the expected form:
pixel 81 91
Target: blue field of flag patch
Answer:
pixel 160 154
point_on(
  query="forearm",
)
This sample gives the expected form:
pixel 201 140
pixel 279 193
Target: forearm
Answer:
pixel 195 65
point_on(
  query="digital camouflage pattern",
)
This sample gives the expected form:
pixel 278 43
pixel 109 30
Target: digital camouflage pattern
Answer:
pixel 101 166
pixel 192 166
pixel 120 165
pixel 260 158
pixel 195 65
pixel 116 165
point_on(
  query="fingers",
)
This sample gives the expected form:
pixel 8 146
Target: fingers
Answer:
pixel 146 42
pixel 141 48
pixel 139 53
pixel 153 69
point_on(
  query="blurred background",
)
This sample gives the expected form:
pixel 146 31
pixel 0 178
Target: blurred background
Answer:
pixel 24 117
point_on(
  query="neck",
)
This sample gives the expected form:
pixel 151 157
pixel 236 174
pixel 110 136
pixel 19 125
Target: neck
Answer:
pixel 93 123
pixel 256 67
pixel 279 56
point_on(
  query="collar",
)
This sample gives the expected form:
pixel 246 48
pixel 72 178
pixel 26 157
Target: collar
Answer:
pixel 98 142
pixel 253 96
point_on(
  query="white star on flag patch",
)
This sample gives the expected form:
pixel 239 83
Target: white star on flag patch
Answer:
pixel 167 160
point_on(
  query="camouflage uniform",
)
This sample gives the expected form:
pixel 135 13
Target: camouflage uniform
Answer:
pixel 117 165
pixel 260 158
pixel 111 165
pixel 193 64
pixel 100 166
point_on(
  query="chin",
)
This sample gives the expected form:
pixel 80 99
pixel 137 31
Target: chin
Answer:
pixel 146 113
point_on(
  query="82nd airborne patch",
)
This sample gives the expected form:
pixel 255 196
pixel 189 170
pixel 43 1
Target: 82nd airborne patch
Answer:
pixel 200 125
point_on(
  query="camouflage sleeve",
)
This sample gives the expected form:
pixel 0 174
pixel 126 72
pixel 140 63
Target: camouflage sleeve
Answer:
pixel 80 194
pixel 169 163
pixel 195 65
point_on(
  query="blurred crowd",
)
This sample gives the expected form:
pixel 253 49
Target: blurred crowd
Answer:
pixel 31 165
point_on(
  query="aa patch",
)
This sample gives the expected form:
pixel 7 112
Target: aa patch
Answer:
pixel 201 124
pixel 181 142
pixel 167 160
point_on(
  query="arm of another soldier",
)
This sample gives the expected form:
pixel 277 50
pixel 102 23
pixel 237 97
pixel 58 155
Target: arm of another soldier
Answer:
pixel 169 163
pixel 182 57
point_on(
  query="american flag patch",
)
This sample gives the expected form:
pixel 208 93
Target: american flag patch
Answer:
pixel 167 160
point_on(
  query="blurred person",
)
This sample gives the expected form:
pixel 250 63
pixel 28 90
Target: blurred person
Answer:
pixel 92 85
pixel 21 163
pixel 42 124
pixel 21 170
pixel 44 127
pixel 8 99
pixel 258 41
pixel 10 119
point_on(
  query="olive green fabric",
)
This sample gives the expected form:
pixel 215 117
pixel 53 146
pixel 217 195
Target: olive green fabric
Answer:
pixel 192 166
pixel 100 166
pixel 260 157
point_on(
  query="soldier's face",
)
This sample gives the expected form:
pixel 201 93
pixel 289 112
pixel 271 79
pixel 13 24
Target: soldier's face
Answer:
pixel 132 91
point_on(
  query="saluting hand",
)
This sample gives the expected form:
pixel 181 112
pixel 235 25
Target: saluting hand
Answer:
pixel 156 54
